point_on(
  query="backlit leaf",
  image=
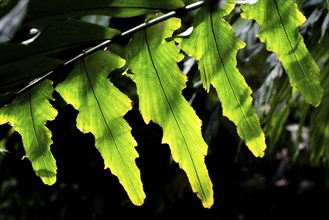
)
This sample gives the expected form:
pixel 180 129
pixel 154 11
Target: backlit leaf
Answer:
pixel 28 114
pixel 279 21
pixel 101 109
pixel 159 81
pixel 214 44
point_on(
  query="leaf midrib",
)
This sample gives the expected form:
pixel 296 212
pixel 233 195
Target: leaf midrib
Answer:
pixel 173 113
pixel 107 126
pixel 39 148
pixel 288 38
pixel 226 74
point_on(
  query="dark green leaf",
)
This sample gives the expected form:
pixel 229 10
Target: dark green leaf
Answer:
pixel 319 129
pixel 43 11
pixel 23 62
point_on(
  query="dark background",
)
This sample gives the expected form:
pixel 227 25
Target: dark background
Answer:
pixel 246 188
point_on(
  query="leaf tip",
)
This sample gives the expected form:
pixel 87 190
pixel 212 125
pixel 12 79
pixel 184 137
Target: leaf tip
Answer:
pixel 48 177
pixel 209 203
pixel 49 181
pixel 260 154
pixel 139 201
pixel 258 151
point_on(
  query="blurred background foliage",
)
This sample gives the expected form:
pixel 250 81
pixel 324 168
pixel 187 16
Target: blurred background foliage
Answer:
pixel 291 181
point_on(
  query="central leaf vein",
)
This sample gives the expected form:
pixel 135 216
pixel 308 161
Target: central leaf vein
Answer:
pixel 172 111
pixel 105 122
pixel 34 130
pixel 226 74
pixel 290 44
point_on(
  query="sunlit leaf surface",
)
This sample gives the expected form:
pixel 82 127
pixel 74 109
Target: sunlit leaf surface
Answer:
pixel 101 109
pixel 214 44
pixel 28 114
pixel 159 81
pixel 279 21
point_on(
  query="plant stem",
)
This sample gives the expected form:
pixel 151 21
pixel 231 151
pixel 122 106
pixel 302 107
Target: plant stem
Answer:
pixel 100 46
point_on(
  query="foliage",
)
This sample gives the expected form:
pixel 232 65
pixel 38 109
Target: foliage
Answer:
pixel 154 59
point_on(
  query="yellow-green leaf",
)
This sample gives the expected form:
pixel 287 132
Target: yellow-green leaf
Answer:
pixel 279 21
pixel 101 109
pixel 159 82
pixel 28 114
pixel 214 44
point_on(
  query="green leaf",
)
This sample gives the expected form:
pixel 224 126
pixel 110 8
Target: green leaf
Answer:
pixel 279 22
pixel 42 11
pixel 279 112
pixel 101 109
pixel 24 62
pixel 15 73
pixel 214 44
pixel 56 37
pixel 28 114
pixel 159 82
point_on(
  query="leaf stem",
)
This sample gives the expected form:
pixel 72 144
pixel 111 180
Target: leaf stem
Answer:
pixel 100 46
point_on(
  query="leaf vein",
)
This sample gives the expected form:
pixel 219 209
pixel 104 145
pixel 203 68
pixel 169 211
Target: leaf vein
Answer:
pixel 172 111
pixel 34 130
pixel 287 36
pixel 107 125
pixel 226 75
